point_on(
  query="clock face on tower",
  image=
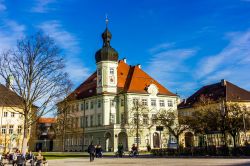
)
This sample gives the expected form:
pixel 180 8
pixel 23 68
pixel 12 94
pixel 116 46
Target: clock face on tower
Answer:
pixel 112 79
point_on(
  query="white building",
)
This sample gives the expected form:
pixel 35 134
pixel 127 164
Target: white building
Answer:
pixel 11 122
pixel 103 103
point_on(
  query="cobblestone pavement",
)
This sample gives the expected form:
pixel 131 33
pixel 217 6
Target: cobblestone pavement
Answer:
pixel 150 162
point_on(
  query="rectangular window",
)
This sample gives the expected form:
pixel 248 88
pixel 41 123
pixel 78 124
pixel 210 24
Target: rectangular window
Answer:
pixel 170 103
pixel 86 121
pixel 135 118
pixel 112 103
pixel 145 119
pixel 3 129
pixel 12 114
pixel 91 105
pixel 77 122
pixel 19 130
pixel 111 71
pixel 87 105
pixel 122 102
pixel 5 114
pixel 81 121
pixel 144 102
pixel 154 118
pixel 162 103
pixel 77 107
pixel 153 102
pixel 91 120
pixel 112 118
pixel 99 103
pixel 122 118
pixel 11 128
pixel 135 101
pixel 99 119
pixel 82 107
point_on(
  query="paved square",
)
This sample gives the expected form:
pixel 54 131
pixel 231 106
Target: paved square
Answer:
pixel 150 162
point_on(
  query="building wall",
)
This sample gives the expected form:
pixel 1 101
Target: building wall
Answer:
pixel 213 139
pixel 12 137
pixel 105 115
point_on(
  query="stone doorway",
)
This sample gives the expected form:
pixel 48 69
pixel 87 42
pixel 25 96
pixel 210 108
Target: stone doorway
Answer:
pixel 189 139
pixel 156 140
pixel 123 138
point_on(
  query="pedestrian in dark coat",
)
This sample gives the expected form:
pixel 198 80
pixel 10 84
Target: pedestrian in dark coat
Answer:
pixel 91 151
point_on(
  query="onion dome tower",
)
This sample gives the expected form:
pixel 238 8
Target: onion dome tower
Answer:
pixel 106 53
pixel 106 63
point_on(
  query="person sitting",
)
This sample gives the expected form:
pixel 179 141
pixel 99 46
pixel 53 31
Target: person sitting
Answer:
pixel 97 151
pixel 39 158
pixel 134 150
pixel 31 158
pixel 20 161
pixel 100 151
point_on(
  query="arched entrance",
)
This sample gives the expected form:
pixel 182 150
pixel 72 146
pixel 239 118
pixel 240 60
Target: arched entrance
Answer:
pixel 156 140
pixel 123 138
pixel 189 139
pixel 108 143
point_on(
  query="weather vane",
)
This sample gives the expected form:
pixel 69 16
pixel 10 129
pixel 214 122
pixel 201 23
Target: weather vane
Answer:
pixel 107 20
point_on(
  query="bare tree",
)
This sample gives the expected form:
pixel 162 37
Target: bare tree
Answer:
pixel 138 120
pixel 175 124
pixel 36 68
pixel 65 116
pixel 235 117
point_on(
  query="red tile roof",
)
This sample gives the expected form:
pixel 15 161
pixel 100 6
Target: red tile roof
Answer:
pixel 222 90
pixel 47 120
pixel 131 79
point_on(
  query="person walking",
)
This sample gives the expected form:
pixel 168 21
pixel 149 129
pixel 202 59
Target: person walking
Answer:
pixel 91 151
pixel 120 149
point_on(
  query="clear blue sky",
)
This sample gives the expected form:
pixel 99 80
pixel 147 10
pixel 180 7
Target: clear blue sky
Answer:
pixel 183 44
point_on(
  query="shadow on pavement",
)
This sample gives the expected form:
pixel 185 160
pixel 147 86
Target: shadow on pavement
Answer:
pixel 241 164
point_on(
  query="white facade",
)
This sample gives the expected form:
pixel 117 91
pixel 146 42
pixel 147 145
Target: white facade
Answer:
pixel 103 117
pixel 106 77
pixel 11 128
pixel 105 114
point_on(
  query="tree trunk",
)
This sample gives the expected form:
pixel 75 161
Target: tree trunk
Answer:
pixel 234 139
pixel 177 142
pixel 25 136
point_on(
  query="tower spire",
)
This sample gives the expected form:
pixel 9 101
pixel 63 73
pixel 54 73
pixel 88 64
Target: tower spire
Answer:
pixel 107 20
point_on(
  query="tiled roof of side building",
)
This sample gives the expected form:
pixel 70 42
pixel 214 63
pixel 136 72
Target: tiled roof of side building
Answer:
pixel 130 79
pixel 46 120
pixel 222 90
pixel 8 97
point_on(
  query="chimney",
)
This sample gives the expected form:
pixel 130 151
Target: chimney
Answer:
pixel 139 66
pixel 185 100
pixel 124 60
pixel 223 82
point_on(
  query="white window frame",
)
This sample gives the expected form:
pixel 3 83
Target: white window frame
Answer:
pixel 144 102
pixel 153 102
pixel 162 103
pixel 5 114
